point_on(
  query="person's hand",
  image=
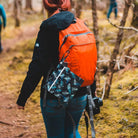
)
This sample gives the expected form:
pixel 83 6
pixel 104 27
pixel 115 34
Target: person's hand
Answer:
pixel 4 27
pixel 20 107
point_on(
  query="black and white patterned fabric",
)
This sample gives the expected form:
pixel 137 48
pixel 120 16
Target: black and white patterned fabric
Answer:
pixel 63 83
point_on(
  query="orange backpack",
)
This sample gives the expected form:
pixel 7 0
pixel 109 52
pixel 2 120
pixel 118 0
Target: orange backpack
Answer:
pixel 78 47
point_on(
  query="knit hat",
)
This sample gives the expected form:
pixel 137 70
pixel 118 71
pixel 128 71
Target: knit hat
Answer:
pixel 52 5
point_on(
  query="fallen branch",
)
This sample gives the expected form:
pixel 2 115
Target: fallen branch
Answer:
pixel 100 61
pixel 132 90
pixel 5 123
pixel 9 124
pixel 103 88
pixel 21 135
pixel 133 58
pixel 121 27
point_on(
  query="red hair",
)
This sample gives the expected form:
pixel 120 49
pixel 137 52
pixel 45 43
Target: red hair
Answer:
pixel 52 5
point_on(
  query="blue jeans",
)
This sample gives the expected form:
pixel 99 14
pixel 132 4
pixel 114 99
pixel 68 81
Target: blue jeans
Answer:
pixel 112 8
pixel 57 122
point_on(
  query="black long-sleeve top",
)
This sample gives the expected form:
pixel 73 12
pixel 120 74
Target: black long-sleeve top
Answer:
pixel 45 53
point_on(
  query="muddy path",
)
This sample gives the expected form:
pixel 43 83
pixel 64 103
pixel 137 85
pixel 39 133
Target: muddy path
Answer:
pixel 15 123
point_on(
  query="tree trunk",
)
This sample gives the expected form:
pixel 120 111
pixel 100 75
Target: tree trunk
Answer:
pixel 16 13
pixel 43 11
pixel 77 7
pixel 20 6
pixel 135 14
pixel 96 33
pixel 116 49
pixel 28 5
pixel 73 6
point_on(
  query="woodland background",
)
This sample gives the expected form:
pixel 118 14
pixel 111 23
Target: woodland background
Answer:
pixel 117 68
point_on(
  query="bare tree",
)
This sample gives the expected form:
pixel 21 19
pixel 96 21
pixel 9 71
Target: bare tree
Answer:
pixel 28 5
pixel 43 11
pixel 96 33
pixel 20 6
pixel 116 49
pixel 135 14
pixel 16 13
pixel 77 6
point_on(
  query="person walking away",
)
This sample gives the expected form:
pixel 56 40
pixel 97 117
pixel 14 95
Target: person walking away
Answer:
pixel 3 15
pixel 112 8
pixel 57 122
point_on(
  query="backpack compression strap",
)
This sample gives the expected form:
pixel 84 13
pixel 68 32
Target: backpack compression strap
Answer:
pixel 91 106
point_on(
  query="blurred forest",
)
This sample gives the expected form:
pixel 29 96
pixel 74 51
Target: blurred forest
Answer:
pixel 117 67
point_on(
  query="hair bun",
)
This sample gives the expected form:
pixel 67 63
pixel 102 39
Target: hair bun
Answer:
pixel 55 4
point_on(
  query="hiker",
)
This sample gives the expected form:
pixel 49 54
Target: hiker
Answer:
pixel 57 122
pixel 112 8
pixel 3 15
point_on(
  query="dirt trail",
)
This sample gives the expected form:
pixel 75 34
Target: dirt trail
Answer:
pixel 25 33
pixel 11 121
pixel 15 123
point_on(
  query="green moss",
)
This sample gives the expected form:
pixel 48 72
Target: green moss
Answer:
pixel 127 79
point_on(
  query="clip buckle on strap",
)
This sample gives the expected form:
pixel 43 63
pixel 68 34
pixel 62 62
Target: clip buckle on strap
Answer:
pixel 91 106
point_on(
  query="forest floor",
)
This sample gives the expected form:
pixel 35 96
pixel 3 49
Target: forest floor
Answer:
pixel 13 122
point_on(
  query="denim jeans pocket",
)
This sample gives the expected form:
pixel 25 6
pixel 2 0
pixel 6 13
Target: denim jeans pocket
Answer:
pixel 78 103
pixel 53 106
pixel 51 103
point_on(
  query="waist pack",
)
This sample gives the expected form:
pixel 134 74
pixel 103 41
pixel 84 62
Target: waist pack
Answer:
pixel 63 83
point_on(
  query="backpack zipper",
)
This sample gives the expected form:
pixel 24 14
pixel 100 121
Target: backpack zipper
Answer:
pixel 66 36
pixel 68 51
